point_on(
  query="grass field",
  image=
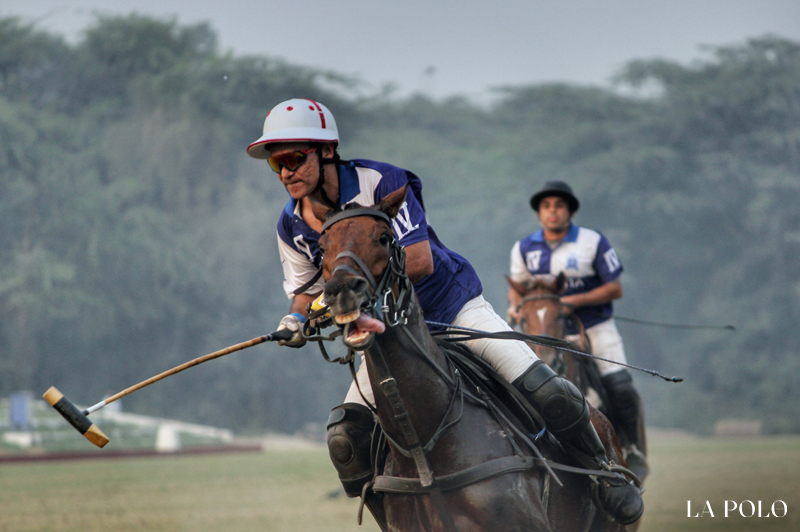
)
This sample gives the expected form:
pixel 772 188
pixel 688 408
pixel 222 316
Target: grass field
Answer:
pixel 297 490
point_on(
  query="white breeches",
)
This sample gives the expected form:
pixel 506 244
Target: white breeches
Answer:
pixel 606 343
pixel 510 358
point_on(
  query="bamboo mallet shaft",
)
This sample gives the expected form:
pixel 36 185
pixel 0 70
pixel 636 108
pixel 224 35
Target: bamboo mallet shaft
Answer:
pixel 81 422
pixel 178 369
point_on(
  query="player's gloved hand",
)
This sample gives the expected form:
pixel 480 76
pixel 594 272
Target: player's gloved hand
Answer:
pixel 294 322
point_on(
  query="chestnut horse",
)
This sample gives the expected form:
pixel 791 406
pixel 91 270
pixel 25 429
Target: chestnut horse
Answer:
pixel 452 464
pixel 541 313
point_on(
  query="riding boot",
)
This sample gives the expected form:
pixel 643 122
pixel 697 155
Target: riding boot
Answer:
pixel 567 415
pixel 350 428
pixel 625 406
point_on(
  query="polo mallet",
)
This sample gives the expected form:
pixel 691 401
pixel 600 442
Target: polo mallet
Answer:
pixel 81 422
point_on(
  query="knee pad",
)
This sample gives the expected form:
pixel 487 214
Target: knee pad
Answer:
pixel 350 429
pixel 560 403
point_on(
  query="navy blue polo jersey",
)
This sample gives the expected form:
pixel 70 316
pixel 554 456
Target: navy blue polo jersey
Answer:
pixel 441 294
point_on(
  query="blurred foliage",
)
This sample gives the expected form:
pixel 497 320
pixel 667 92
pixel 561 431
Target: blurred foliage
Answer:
pixel 136 233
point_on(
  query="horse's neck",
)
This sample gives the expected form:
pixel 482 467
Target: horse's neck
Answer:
pixel 425 395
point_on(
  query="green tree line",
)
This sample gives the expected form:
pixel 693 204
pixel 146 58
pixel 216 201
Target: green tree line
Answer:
pixel 135 233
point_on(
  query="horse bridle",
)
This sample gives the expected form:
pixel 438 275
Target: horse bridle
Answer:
pixel 392 311
pixel 382 302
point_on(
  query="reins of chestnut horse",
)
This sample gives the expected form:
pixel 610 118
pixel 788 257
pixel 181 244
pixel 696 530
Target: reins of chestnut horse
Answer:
pixel 630 320
pixel 661 324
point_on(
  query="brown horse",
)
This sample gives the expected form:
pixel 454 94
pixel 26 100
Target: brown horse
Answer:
pixel 452 463
pixel 541 313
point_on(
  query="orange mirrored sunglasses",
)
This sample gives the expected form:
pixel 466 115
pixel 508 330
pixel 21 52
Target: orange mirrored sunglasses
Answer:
pixel 291 160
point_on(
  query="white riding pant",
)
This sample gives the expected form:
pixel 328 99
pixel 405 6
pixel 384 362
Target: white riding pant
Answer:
pixel 510 358
pixel 606 343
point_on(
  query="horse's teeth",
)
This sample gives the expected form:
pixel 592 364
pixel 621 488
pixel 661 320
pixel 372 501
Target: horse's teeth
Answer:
pixel 347 318
pixel 357 338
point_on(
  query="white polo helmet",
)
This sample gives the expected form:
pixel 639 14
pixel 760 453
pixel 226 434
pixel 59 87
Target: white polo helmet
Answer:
pixel 296 120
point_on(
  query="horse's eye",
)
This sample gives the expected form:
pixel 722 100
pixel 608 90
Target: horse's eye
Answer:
pixel 385 240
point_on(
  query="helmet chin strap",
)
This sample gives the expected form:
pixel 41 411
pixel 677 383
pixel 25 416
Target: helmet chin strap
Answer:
pixel 321 181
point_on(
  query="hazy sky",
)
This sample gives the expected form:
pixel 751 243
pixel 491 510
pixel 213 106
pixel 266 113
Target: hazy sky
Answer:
pixel 445 47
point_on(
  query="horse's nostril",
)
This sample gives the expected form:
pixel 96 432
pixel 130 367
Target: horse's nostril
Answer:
pixel 338 288
pixel 333 287
pixel 357 284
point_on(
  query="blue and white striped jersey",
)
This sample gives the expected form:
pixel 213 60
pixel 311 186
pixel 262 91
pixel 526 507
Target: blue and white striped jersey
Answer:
pixel 441 294
pixel 585 257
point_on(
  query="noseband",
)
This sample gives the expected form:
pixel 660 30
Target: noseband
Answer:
pixel 382 302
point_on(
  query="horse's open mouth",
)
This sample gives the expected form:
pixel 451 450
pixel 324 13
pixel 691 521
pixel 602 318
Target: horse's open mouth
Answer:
pixel 358 328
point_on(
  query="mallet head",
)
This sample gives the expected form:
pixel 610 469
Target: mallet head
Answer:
pixel 75 417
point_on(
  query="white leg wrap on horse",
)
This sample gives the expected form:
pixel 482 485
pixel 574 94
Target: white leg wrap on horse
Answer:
pixel 510 358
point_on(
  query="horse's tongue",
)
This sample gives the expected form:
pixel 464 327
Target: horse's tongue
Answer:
pixel 365 323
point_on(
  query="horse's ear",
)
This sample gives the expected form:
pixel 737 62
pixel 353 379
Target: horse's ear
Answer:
pixel 320 211
pixel 392 202
pixel 561 280
pixel 519 288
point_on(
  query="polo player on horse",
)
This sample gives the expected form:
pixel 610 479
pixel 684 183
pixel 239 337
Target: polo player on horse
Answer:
pixel 300 141
pixel 593 272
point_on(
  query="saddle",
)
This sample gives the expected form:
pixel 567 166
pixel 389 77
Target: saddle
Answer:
pixel 482 380
pixel 514 413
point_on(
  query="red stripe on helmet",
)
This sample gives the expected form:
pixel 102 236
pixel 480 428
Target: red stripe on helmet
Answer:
pixel 321 114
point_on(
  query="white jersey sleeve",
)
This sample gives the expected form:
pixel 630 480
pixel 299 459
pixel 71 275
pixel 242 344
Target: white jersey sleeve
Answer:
pixel 519 272
pixel 297 270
